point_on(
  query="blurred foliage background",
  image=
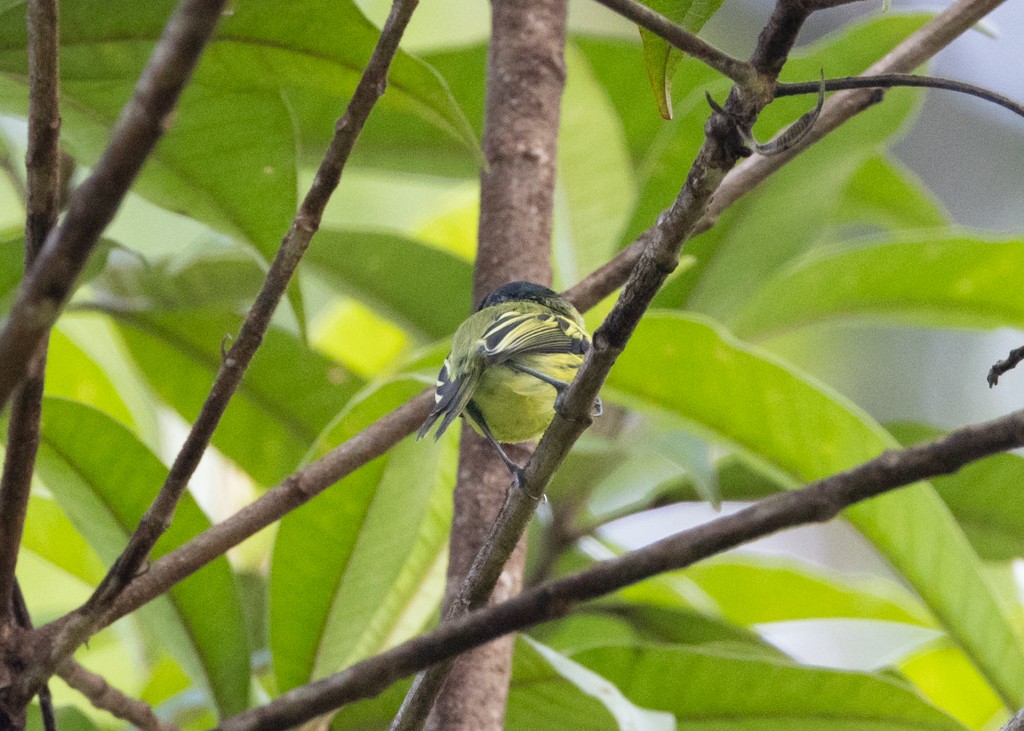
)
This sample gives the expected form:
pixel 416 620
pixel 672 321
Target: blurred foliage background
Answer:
pixel 838 310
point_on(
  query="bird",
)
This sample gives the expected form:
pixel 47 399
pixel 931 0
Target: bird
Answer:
pixel 509 363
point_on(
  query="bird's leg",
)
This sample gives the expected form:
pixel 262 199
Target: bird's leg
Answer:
pixel 474 413
pixel 558 385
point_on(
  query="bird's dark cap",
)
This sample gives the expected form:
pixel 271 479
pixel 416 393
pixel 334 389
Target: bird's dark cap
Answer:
pixel 520 292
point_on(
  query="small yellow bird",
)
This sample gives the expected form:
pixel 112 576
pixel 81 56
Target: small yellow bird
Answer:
pixel 509 362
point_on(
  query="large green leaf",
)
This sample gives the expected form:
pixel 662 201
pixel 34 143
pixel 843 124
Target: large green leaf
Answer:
pixel 217 276
pixel 752 589
pixel 708 690
pixel 550 691
pixel 936 280
pixel 71 374
pixel 390 273
pixel 547 691
pixel 662 60
pixel 615 621
pixel 885 193
pixel 288 395
pixel 361 567
pixel 105 483
pixel 803 432
pixel 983 496
pixel 230 157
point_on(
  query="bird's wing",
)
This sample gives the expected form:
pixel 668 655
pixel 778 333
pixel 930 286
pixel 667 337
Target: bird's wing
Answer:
pixel 531 333
pixel 454 390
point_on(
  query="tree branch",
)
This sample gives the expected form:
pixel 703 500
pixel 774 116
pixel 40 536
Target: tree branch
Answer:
pixel 888 81
pixel 107 698
pixel 43 180
pixel 84 621
pixel 682 39
pixel 47 287
pixel 817 503
pixel 916 49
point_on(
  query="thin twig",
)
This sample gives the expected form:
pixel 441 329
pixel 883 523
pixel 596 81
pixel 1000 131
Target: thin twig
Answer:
pixel 888 81
pixel 84 621
pixel 24 620
pixel 43 183
pixel 817 503
pixel 915 50
pixel 104 696
pixel 1002 366
pixel 143 121
pixel 687 42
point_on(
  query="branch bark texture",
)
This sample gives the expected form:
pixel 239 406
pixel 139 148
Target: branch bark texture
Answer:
pixel 818 502
pixel 525 78
pixel 43 180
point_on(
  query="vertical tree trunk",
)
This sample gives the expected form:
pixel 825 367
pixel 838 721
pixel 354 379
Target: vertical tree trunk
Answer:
pixel 525 77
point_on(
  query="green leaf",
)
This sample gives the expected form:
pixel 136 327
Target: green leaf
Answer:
pixel 217 276
pixel 391 273
pixel 705 689
pixel 936 280
pixel 547 691
pixel 946 678
pixel 230 157
pixel 751 590
pixel 619 622
pixel 551 691
pixel 361 567
pixel 104 484
pixel 72 374
pixel 662 59
pixel 595 173
pixel 53 537
pixel 288 395
pixel 802 432
pixel 983 496
pixel 887 194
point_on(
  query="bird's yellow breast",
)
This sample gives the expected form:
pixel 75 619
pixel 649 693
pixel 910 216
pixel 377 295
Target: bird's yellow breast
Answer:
pixel 516 406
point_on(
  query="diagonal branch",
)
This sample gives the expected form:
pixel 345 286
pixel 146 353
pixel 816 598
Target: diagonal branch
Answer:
pixel 104 696
pixel 83 622
pixel 689 43
pixel 915 50
pixel 47 287
pixel 817 503
pixel 43 182
pixel 889 81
